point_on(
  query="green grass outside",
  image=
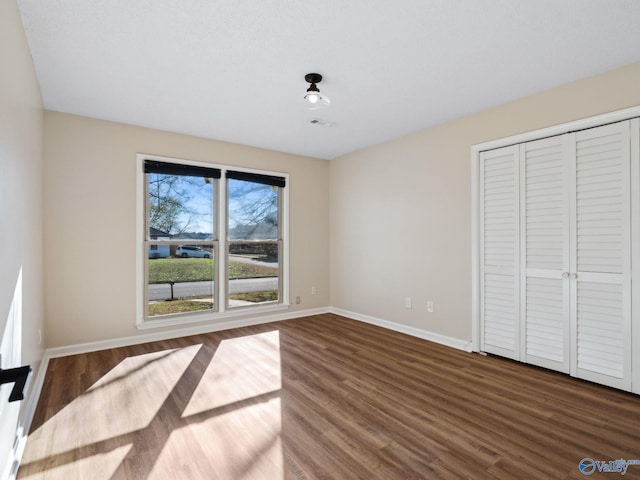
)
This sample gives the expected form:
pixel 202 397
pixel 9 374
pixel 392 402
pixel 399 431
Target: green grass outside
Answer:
pixel 177 306
pixel 168 307
pixel 256 297
pixel 163 270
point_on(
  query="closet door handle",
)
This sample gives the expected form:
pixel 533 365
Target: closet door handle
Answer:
pixel 573 276
pixel 565 275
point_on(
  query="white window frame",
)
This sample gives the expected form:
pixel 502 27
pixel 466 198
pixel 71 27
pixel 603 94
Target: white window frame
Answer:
pixel 221 240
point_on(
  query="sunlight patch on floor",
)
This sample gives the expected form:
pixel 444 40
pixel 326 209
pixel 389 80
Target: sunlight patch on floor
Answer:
pixel 197 411
pixel 98 465
pixel 124 400
pixel 242 368
pixel 242 444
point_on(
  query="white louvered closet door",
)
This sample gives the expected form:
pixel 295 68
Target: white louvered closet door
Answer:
pixel 544 259
pixel 601 263
pixel 499 245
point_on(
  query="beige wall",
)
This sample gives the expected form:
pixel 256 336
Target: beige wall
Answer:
pixel 21 298
pixel 397 219
pixel 401 211
pixel 90 221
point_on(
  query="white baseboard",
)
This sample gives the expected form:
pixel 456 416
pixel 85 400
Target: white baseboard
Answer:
pixel 245 322
pixel 178 332
pixel 398 327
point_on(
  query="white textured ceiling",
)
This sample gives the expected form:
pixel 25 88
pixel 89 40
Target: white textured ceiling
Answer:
pixel 234 70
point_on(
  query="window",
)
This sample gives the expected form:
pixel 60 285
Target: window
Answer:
pixel 254 242
pixel 213 241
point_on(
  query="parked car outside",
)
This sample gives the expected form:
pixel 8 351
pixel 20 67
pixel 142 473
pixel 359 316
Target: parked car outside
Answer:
pixel 159 251
pixel 186 251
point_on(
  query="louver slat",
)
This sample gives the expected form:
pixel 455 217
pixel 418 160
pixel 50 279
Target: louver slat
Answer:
pixel 545 206
pixel 545 319
pixel 600 225
pixel 600 327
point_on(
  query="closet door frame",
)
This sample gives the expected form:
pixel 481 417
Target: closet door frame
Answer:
pixel 627 114
pixel 634 168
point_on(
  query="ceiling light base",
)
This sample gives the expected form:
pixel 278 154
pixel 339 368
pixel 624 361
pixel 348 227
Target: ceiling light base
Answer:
pixel 313 78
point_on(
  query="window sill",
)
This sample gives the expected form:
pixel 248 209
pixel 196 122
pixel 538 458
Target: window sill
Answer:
pixel 208 317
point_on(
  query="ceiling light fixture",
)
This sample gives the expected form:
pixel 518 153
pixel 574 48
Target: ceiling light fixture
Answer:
pixel 315 101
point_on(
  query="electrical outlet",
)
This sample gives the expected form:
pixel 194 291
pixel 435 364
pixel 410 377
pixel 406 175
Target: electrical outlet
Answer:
pixel 430 306
pixel 313 290
pixel 297 300
pixel 407 302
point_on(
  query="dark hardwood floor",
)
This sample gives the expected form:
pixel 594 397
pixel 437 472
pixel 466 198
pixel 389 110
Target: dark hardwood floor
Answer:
pixel 321 397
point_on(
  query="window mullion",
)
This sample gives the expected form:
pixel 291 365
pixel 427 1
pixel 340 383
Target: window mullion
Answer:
pixel 222 285
pixel 281 262
pixel 146 243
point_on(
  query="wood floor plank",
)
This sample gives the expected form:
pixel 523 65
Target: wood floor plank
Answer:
pixel 321 397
